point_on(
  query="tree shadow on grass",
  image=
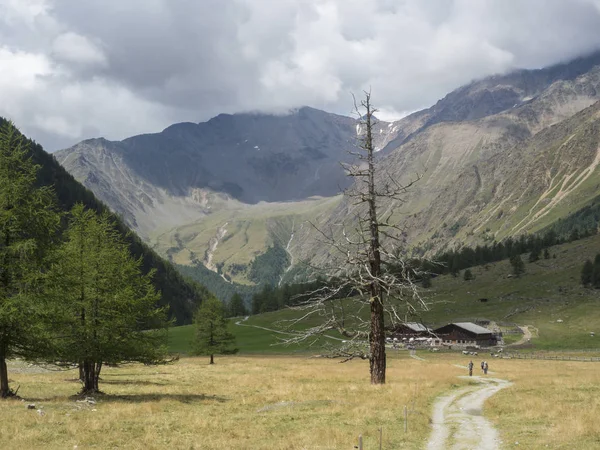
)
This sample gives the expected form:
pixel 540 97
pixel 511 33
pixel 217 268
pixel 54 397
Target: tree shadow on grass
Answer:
pixel 132 398
pixel 134 383
pixel 142 398
pixel 132 374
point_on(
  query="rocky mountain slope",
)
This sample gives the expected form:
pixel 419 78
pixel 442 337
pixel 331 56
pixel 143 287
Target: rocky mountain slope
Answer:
pixel 158 181
pixel 500 156
pixel 502 175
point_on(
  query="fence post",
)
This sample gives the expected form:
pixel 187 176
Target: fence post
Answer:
pixel 405 419
pixel 360 446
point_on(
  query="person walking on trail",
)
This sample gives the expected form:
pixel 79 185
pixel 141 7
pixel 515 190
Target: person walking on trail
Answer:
pixel 485 368
pixel 482 364
pixel 471 368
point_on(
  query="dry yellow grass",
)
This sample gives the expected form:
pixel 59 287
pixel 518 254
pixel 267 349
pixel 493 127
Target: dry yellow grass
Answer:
pixel 550 405
pixel 239 403
pixel 295 403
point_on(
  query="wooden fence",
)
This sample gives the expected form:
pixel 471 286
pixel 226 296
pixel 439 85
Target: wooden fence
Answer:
pixel 550 357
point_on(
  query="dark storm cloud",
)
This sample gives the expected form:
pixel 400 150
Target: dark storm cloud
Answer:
pixel 72 69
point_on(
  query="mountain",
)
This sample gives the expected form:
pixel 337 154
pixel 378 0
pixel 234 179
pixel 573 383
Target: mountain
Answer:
pixel 500 156
pixel 502 175
pixel 179 294
pixel 166 179
pixel 192 187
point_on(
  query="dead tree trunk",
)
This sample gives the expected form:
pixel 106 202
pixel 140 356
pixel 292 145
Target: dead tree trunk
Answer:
pixel 377 358
pixel 370 268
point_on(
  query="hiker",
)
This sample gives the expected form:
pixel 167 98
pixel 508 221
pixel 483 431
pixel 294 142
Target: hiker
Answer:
pixel 482 364
pixel 471 368
pixel 485 368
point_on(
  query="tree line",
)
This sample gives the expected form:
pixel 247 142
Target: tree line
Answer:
pixel 453 261
pixel 273 298
pixel 222 289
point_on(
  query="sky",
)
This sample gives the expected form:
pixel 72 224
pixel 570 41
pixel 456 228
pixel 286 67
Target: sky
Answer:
pixel 76 69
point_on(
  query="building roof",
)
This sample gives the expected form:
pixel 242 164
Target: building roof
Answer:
pixel 415 326
pixel 472 327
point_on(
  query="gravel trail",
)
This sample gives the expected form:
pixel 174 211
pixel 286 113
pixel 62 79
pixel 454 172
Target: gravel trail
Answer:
pixel 458 421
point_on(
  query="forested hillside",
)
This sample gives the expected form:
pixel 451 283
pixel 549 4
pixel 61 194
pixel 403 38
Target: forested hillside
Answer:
pixel 179 294
pixel 215 283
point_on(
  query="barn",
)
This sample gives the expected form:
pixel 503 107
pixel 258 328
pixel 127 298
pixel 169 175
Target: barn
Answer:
pixel 466 334
pixel 410 329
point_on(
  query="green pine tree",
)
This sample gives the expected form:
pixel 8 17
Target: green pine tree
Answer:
pixel 212 336
pixel 518 265
pixel 587 273
pixel 535 254
pixel 28 222
pixel 237 306
pixel 455 266
pixel 107 308
pixel 468 275
pixel 546 254
pixel 595 280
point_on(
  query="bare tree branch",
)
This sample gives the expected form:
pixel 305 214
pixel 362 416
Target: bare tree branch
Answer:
pixel 371 283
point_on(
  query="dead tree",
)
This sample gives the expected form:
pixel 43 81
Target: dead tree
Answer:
pixel 370 281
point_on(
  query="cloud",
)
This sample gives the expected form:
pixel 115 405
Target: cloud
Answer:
pixel 70 69
pixel 73 48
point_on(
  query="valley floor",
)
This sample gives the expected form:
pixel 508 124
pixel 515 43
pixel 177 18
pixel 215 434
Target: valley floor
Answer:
pixel 284 402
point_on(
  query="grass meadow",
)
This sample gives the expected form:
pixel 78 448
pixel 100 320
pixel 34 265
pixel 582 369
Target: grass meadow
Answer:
pixel 294 402
pixel 276 397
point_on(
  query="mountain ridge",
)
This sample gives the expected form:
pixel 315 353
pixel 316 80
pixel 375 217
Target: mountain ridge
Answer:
pixel 172 182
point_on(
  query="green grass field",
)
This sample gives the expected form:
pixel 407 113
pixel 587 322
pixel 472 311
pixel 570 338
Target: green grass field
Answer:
pixel 249 340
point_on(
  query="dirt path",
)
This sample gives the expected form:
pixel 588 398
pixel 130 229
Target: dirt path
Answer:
pixel 414 356
pixel 525 338
pixel 458 421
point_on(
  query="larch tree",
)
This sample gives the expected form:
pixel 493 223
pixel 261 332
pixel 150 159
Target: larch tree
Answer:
pixel 236 306
pixel 518 266
pixel 108 309
pixel 28 224
pixel 212 336
pixel 371 280
pixel 595 279
pixel 587 272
